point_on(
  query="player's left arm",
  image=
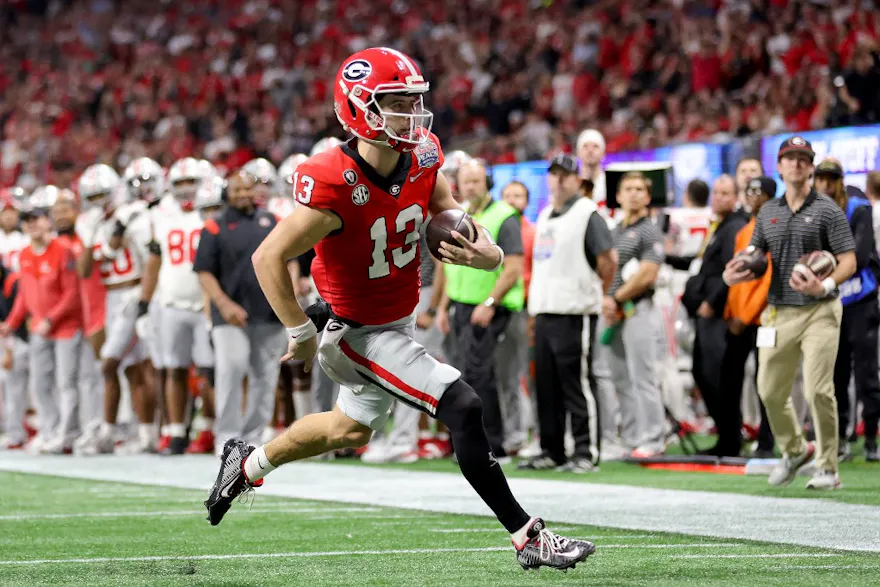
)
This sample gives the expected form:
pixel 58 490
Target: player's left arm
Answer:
pixel 482 254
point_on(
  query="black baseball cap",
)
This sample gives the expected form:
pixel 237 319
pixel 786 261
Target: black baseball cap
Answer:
pixel 32 213
pixel 763 183
pixel 568 163
pixel 829 167
pixel 796 145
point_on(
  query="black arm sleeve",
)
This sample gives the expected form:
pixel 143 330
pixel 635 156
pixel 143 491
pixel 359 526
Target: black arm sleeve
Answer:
pixel 597 239
pixel 863 233
pixel 305 262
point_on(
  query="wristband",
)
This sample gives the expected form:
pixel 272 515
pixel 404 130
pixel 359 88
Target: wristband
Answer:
pixel 500 263
pixel 303 332
pixel 829 284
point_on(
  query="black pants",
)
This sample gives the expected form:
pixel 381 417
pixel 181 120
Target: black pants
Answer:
pixel 857 355
pixel 733 373
pixel 477 345
pixel 565 384
pixel 709 344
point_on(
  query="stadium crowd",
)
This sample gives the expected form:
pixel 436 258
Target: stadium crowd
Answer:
pixel 95 80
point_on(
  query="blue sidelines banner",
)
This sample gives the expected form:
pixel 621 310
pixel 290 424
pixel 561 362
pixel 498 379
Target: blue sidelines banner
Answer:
pixel 857 148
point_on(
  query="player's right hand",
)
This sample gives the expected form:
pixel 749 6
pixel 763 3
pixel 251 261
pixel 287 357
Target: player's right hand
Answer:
pixel 8 362
pixel 733 273
pixel 5 330
pixel 304 351
pixel 234 315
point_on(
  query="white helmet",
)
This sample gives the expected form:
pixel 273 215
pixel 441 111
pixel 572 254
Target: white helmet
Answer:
pixel 143 179
pixel 96 186
pixel 207 169
pixel 44 197
pixel 453 161
pixel 285 173
pixel 324 144
pixel 263 170
pixel 187 169
pixel 210 193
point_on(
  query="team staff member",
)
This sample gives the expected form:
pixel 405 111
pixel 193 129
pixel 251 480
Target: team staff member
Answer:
pixel 573 264
pixel 745 303
pixel 633 347
pixel 512 355
pixel 857 351
pixel 483 302
pixel 705 296
pixel 248 338
pixel 803 317
pixel 49 295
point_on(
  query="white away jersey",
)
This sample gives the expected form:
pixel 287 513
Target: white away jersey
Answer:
pixel 281 207
pixel 178 235
pixel 688 228
pixel 11 245
pixel 127 263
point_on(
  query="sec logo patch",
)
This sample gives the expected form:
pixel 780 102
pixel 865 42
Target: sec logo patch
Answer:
pixel 360 195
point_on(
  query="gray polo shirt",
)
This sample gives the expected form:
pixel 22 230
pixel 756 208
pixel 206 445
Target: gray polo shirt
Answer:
pixel 819 225
pixel 641 241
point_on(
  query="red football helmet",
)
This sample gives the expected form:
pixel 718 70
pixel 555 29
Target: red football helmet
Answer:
pixel 362 80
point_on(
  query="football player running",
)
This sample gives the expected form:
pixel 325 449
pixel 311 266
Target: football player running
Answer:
pixel 362 206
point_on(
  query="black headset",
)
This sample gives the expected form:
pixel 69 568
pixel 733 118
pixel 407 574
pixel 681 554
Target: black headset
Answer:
pixel 490 179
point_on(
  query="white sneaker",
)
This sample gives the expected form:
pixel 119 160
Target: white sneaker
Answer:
pixel 391 454
pixel 53 446
pixel 788 467
pixel 532 450
pixel 97 444
pixel 824 480
pixel 613 452
pixel 137 446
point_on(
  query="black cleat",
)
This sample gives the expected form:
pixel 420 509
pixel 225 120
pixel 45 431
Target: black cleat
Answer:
pixel 231 481
pixel 177 446
pixel 546 549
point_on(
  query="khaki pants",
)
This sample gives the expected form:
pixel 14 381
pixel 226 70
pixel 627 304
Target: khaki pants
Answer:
pixel 811 333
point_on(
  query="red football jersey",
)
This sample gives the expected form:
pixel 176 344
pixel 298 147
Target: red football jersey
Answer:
pixel 368 271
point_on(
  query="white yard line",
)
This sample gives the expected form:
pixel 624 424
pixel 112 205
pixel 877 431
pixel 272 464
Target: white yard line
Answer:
pixel 699 513
pixel 332 553
pixel 167 513
pixel 778 555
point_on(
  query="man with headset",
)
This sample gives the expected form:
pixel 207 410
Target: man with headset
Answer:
pixel 478 304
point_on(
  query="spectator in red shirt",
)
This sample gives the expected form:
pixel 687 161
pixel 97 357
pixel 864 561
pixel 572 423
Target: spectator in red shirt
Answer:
pixel 49 296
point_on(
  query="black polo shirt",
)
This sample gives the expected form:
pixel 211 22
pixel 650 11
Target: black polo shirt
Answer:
pixel 819 225
pixel 225 250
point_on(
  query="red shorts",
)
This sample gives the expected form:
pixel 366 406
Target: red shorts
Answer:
pixel 94 299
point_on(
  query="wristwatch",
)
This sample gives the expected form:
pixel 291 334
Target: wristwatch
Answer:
pixel 432 312
pixel 490 302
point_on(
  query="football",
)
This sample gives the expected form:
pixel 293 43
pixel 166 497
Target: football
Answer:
pixel 819 263
pixel 753 259
pixel 440 227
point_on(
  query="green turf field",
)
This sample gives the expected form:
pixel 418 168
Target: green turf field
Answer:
pixel 56 531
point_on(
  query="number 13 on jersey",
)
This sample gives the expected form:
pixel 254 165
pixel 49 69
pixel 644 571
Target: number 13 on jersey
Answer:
pixel 400 256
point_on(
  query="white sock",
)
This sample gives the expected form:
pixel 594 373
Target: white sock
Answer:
pixel 147 432
pixel 521 536
pixel 302 404
pixel 207 424
pixel 163 430
pixel 177 430
pixel 257 465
